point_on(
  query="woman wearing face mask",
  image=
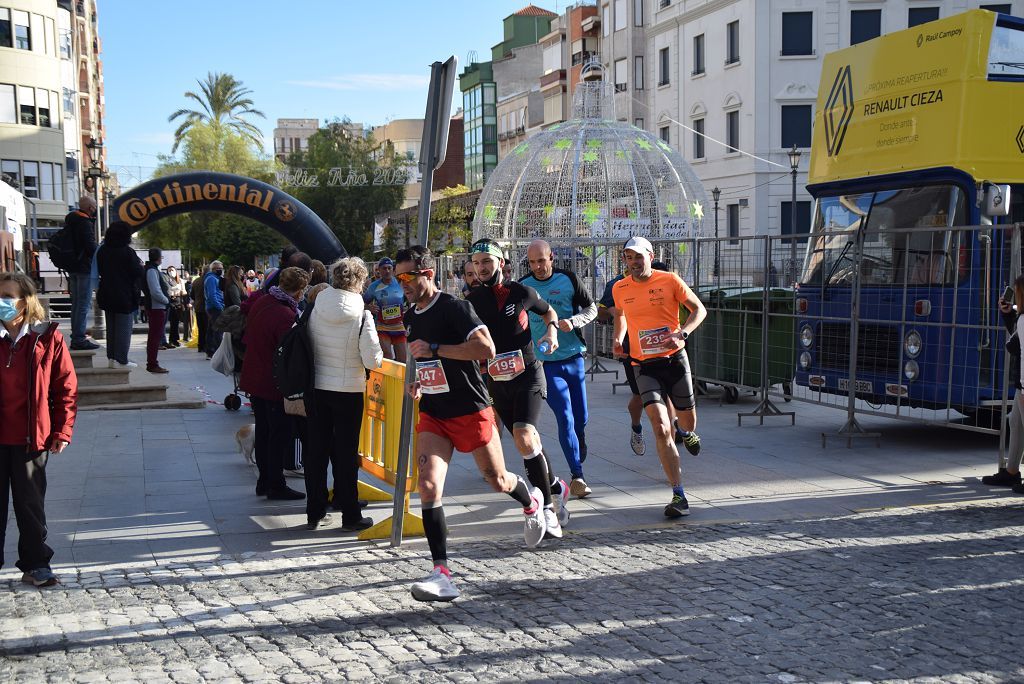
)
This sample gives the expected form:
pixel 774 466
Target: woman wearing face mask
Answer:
pixel 266 323
pixel 38 403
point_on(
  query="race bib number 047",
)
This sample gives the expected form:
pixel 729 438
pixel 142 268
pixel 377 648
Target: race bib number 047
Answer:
pixel 657 341
pixel 431 377
pixel 504 367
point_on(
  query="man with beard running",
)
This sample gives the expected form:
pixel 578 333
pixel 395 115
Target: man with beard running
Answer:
pixel 448 340
pixel 647 309
pixel 514 376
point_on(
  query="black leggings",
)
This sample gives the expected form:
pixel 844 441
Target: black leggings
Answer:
pixel 273 440
pixel 334 422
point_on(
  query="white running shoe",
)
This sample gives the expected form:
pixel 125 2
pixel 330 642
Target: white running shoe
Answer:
pixel 554 529
pixel 636 440
pixel 560 501
pixel 534 526
pixel 111 363
pixel 436 587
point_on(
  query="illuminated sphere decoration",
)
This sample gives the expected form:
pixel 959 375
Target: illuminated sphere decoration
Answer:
pixel 591 178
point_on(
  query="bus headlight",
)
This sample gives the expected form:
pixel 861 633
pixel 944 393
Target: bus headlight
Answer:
pixel 911 371
pixel 805 360
pixel 806 336
pixel 912 344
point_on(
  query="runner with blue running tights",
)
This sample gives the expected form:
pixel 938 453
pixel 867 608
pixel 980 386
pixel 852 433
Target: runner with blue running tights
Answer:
pixel 563 367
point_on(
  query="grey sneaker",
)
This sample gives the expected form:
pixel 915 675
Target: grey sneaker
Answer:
pixel 534 525
pixel 560 501
pixel 553 530
pixel 579 488
pixel 40 577
pixel 636 441
pixel 437 586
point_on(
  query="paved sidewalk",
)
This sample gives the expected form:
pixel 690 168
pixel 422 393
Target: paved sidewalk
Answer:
pixel 793 566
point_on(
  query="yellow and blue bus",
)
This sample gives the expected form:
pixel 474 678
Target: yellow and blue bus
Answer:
pixel 916 133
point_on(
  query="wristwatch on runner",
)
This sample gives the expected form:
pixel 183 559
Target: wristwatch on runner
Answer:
pixel 433 349
pixel 684 334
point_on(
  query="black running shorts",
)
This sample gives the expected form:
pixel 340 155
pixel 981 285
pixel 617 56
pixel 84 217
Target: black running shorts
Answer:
pixel 630 371
pixel 667 378
pixel 518 401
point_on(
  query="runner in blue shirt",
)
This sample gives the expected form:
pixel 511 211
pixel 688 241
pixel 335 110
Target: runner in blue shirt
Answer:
pixel 385 299
pixel 563 367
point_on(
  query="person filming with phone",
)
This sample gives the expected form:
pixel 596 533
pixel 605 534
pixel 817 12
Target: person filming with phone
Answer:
pixel 1009 470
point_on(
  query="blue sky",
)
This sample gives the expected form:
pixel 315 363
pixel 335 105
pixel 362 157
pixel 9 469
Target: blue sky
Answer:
pixel 320 59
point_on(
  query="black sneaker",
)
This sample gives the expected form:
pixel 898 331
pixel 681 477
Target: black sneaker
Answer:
pixel 692 443
pixel 285 494
pixel 678 507
pixel 1002 479
pixel 362 524
pixel 84 345
pixel 1017 488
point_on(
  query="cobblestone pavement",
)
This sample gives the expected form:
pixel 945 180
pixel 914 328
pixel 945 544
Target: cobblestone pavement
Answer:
pixel 922 594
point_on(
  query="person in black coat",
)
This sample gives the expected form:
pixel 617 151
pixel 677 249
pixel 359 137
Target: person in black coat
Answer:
pixel 82 225
pixel 120 270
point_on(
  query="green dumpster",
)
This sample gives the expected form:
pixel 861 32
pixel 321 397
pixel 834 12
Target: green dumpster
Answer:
pixel 728 344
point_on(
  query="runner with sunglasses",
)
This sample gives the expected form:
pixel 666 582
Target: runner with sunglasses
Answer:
pixel 448 340
pixel 515 377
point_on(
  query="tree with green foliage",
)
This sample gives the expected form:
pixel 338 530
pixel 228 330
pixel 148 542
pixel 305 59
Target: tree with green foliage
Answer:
pixel 224 103
pixel 346 195
pixel 209 235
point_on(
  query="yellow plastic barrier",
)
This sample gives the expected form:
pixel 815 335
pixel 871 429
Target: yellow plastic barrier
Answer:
pixel 378 446
pixel 194 342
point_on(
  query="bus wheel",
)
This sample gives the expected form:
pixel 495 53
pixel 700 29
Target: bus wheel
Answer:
pixel 731 395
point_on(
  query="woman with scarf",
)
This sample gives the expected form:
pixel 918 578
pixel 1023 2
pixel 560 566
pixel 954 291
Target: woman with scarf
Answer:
pixel 266 323
pixel 38 404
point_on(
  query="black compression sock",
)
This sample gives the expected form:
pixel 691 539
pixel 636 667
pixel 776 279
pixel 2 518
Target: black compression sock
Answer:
pixel 521 493
pixel 556 482
pixel 539 476
pixel 436 529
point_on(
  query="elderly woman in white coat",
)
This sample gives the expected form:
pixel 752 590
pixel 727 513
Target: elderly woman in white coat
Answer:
pixel 345 345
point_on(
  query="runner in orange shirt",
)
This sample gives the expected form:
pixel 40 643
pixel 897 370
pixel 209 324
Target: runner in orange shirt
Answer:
pixel 647 309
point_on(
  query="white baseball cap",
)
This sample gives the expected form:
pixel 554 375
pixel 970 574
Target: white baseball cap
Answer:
pixel 640 244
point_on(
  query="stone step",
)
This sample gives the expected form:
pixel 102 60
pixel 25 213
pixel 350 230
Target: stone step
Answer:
pixel 165 404
pixel 101 377
pixel 82 358
pixel 121 395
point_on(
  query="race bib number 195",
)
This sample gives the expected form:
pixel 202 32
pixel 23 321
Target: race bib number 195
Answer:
pixel 504 367
pixel 431 377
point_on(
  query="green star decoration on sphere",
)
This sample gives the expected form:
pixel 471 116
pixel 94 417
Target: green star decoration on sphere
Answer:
pixel 592 211
pixel 631 216
pixel 520 148
pixel 490 213
pixel 595 144
pixel 549 209
pixel 547 161
pixel 620 154
pixel 663 145
pixel 643 144
pixel 563 144
pixel 670 207
pixel 696 210
pixel 591 156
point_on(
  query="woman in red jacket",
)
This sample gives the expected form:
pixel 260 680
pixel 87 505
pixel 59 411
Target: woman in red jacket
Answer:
pixel 266 323
pixel 38 403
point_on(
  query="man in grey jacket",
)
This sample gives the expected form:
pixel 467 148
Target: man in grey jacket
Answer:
pixel 157 299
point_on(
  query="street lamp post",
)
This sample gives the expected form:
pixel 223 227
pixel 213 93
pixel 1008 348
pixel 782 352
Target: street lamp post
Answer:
pixel 794 163
pixel 96 173
pixel 715 194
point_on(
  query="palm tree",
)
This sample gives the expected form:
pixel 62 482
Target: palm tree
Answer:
pixel 224 101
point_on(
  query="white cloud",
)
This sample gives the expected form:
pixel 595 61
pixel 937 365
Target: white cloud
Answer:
pixel 374 82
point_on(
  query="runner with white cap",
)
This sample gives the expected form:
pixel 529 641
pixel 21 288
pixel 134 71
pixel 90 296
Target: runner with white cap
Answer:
pixel 647 309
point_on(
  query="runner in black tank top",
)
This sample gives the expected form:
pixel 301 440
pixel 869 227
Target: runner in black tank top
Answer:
pixel 515 378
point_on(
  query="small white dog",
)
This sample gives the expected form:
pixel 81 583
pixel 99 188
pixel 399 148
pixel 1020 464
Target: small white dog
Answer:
pixel 246 439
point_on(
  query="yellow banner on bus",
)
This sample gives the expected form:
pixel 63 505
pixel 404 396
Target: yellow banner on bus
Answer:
pixel 920 99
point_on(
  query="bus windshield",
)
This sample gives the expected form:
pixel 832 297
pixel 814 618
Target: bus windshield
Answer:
pixel 888 258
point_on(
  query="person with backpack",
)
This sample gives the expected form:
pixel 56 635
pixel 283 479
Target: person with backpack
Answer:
pixel 119 269
pixel 266 324
pixel 157 298
pixel 345 345
pixel 81 229
pixel 37 415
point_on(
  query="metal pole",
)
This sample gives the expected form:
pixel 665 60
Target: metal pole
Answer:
pixel 428 161
pixel 792 230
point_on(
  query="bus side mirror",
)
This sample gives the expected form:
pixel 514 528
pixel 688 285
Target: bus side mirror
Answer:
pixel 997 200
